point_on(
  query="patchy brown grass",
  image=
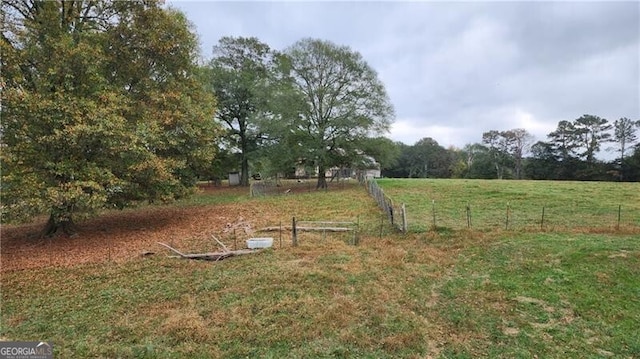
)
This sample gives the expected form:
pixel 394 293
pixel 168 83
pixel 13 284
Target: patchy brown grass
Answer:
pixel 440 293
pixel 124 235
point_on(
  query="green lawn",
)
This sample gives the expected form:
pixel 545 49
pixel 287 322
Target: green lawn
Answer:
pixel 552 295
pixel 567 205
pixel 443 294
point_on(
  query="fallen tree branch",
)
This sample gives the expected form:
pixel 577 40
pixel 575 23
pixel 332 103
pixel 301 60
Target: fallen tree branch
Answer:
pixel 211 256
pixel 173 249
pixel 220 243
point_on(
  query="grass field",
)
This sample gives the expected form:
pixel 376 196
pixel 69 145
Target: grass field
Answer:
pixel 590 206
pixel 440 294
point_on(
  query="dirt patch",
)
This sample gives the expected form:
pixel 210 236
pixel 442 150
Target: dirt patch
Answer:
pixel 621 254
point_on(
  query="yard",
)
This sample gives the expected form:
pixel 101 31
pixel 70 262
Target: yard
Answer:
pixel 444 293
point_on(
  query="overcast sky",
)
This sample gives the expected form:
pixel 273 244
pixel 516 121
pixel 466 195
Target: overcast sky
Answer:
pixel 454 70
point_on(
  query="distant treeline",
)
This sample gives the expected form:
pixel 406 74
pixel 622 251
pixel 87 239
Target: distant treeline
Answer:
pixel 568 154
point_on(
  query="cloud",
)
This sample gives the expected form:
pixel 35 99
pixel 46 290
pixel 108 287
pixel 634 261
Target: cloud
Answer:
pixel 454 70
pixel 406 131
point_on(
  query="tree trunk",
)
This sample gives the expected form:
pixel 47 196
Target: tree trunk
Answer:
pixel 51 228
pixel 244 171
pixel 244 161
pixel 498 171
pixel 322 178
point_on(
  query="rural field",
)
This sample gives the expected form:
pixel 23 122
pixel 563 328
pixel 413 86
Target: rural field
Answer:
pixel 567 286
pixel 567 205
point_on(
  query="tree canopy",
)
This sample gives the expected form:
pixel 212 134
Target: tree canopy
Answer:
pixel 104 105
pixel 240 75
pixel 101 108
pixel 344 104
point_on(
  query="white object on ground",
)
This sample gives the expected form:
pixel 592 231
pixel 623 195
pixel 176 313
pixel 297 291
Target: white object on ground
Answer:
pixel 263 242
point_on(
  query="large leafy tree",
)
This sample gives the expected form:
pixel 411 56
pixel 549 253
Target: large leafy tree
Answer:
pixel 480 161
pixel 384 151
pixel 631 166
pixel 241 75
pixel 518 144
pixel 564 144
pixel 344 103
pixel 624 134
pixel 470 155
pixel 544 162
pixel 498 145
pixel 507 148
pixel 591 132
pixel 564 140
pixel 400 167
pixel 100 108
pixel 429 159
pixel 576 143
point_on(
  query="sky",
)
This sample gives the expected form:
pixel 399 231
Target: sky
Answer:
pixel 454 70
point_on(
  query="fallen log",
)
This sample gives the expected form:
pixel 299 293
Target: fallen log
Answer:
pixel 210 256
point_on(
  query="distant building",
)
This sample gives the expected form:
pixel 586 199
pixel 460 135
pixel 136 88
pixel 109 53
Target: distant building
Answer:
pixel 234 178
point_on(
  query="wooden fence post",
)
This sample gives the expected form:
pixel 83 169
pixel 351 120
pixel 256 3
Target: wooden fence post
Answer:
pixel 294 233
pixel 468 216
pixel 506 223
pixel 356 234
pixel 433 209
pixel 404 219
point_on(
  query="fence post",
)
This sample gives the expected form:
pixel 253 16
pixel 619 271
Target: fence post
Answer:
pixel 506 224
pixel 294 233
pixel 280 234
pixel 468 216
pixel 356 234
pixel 404 219
pixel 542 221
pixel 433 209
pixel 619 216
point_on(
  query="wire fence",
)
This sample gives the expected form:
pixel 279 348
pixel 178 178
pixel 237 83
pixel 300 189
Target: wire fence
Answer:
pixel 396 214
pixel 273 187
pixel 519 216
pixel 420 214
